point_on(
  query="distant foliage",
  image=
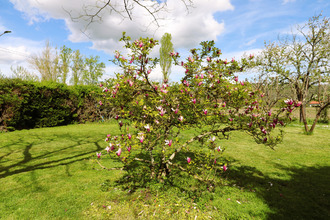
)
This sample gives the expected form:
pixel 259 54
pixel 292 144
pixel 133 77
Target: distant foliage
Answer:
pixel 27 104
pixel 57 65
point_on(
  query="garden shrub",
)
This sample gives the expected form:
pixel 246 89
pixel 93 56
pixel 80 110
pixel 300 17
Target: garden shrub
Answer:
pixel 26 104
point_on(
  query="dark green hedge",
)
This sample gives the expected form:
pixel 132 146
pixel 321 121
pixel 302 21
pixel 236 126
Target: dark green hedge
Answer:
pixel 25 104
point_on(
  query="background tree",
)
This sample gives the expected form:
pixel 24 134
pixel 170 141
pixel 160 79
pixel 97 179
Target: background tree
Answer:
pixel 65 56
pixel 78 66
pixel 2 76
pixel 47 63
pixel 301 60
pixel 273 90
pixel 93 71
pixel 22 73
pixel 165 58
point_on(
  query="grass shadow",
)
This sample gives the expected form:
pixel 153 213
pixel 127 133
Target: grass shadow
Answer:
pixel 47 158
pixel 306 195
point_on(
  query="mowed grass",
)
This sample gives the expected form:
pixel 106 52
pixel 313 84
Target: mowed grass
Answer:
pixel 49 173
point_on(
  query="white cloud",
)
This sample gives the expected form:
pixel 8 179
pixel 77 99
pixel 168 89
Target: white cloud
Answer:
pixel 187 29
pixel 287 1
pixel 16 51
pixel 251 42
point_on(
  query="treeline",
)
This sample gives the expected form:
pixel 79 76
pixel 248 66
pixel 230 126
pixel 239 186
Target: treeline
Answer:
pixel 62 65
pixel 28 104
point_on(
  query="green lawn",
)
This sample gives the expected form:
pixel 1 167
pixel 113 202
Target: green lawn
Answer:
pixel 49 173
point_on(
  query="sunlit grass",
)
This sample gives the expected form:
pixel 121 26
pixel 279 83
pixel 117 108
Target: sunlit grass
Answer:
pixel 49 174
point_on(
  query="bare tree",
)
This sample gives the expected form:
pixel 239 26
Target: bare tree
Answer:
pixel 302 60
pixel 47 63
pixel 124 8
pixel 22 73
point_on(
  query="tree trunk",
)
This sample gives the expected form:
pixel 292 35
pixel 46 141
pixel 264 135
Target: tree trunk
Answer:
pixel 302 109
pixel 300 115
pixel 318 116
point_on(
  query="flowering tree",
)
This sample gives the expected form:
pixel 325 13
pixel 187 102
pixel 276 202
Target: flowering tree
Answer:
pixel 210 100
pixel 302 61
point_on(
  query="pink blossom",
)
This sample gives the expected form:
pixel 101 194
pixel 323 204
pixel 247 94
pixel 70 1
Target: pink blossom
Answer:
pixel 205 111
pixel 270 113
pixel 140 137
pixel 100 102
pixel 236 78
pixel 130 83
pixel 147 127
pixel 190 59
pixel 101 85
pixel 194 101
pixel 140 44
pixel 108 135
pixel 202 76
pixel 112 146
pixel 168 142
pixel 98 155
pixel 149 71
pixel 117 55
pixel 118 152
pixel 188 159
pixel 224 167
pixel 215 161
pixel 129 136
pixel 218 149
pixel 242 83
pixel 162 112
pixel 212 139
pixel 120 123
pixel 180 118
pixel 200 83
pixel 263 130
pixel 129 148
pixel 208 59
pixel 107 149
pixel 289 101
pixel 224 104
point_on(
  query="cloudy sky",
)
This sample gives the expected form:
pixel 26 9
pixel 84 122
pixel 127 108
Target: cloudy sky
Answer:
pixel 237 26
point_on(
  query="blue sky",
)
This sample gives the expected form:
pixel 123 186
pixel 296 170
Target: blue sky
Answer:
pixel 237 26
